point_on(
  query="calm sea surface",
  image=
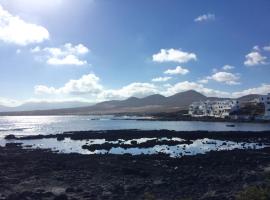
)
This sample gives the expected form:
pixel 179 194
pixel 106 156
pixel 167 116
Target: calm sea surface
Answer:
pixel 32 125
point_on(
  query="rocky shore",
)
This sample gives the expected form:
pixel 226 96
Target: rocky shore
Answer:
pixel 28 174
pixel 129 134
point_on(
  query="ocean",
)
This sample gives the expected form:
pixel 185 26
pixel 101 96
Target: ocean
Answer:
pixel 34 125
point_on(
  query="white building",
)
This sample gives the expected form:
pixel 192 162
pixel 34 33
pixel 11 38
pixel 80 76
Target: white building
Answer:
pixel 219 109
pixel 265 99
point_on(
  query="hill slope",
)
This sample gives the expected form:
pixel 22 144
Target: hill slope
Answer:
pixel 150 104
pixel 43 106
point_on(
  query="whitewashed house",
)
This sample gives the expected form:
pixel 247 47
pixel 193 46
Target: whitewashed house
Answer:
pixel 218 109
pixel 265 99
pixel 199 109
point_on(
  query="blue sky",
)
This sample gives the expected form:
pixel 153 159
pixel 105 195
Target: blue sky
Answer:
pixel 95 50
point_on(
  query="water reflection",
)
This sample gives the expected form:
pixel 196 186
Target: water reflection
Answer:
pixel 33 125
pixel 200 146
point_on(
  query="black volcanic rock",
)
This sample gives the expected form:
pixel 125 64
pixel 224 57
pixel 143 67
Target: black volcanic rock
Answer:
pixel 40 174
pixel 10 137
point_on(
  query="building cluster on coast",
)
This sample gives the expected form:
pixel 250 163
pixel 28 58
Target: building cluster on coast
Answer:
pixel 258 108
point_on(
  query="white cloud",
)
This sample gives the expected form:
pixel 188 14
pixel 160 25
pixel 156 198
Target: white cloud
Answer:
pixel 43 89
pixel 256 48
pixel 177 70
pixel 205 17
pixel 17 31
pixel 35 49
pixel 222 77
pixel 67 49
pixel 67 54
pixel 262 89
pixel 225 77
pixel 203 81
pixel 266 48
pixel 138 90
pixel 87 84
pixel 66 60
pixel 88 88
pixel 173 55
pixel 8 102
pixel 167 85
pixel 186 85
pixel 227 67
pixel 254 58
pixel 131 90
pixel 161 79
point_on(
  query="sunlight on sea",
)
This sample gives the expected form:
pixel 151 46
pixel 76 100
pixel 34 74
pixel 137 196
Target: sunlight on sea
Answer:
pixel 33 125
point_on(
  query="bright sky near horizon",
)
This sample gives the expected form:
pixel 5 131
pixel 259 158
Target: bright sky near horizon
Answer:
pixel 95 50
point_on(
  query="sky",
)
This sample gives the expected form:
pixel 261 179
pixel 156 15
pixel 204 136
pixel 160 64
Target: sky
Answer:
pixel 96 50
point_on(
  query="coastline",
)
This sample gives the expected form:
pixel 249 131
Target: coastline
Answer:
pixel 163 116
pixel 129 134
pixel 35 174
pixel 41 174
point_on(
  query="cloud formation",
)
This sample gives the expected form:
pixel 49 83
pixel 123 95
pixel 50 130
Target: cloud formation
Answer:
pixel 225 77
pixel 205 17
pixel 87 84
pixel 89 88
pixel 90 85
pixel 266 48
pixel 262 89
pixel 173 55
pixel 141 90
pixel 15 30
pixel 222 77
pixel 203 81
pixel 177 70
pixel 132 90
pixel 67 54
pixel 161 79
pixel 255 58
pixel 227 67
pixel 8 102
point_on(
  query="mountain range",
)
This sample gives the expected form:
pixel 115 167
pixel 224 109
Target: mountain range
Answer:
pixel 150 104
pixel 43 105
